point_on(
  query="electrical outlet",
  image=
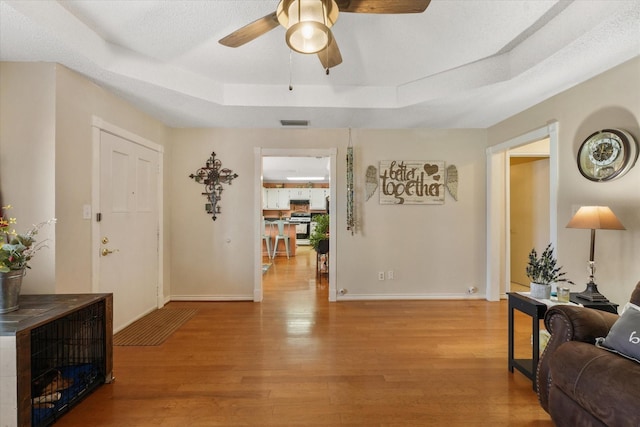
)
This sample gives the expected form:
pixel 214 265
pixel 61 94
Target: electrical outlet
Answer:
pixel 380 275
pixel 390 275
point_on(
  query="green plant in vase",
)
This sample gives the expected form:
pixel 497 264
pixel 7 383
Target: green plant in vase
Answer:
pixel 320 232
pixel 543 271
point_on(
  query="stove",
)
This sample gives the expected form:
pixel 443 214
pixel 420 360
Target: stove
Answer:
pixel 302 220
pixel 300 217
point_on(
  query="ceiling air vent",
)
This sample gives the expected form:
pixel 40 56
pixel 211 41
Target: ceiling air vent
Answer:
pixel 294 122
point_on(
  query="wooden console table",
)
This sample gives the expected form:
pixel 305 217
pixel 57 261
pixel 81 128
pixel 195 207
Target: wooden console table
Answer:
pixel 53 315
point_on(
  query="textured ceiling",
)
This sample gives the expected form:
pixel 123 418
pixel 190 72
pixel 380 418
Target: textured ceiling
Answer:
pixel 460 64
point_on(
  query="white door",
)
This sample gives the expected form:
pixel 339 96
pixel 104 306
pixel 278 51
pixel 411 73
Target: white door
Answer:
pixel 128 227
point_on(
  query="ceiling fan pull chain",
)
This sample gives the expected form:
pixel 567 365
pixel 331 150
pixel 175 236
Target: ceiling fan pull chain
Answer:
pixel 290 69
pixel 324 19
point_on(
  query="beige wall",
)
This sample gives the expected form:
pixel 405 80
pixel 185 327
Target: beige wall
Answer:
pixel 435 251
pixel 48 127
pixel 611 99
pixel 77 101
pixel 27 153
pixel 424 245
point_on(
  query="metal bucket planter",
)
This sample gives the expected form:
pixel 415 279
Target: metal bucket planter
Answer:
pixel 540 291
pixel 10 284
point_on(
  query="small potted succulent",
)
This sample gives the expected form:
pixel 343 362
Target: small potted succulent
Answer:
pixel 544 272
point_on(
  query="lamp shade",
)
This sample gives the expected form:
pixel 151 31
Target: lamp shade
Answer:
pixel 308 23
pixel 595 218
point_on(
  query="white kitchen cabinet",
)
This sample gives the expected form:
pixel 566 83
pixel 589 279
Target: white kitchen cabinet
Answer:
pixel 276 198
pixel 264 198
pixel 300 193
pixel 319 198
pixel 271 198
pixel 283 198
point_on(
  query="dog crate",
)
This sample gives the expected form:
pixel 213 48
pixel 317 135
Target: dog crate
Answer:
pixel 63 353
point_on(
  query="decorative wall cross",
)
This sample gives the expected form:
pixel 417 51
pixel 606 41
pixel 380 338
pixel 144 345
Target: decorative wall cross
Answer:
pixel 212 175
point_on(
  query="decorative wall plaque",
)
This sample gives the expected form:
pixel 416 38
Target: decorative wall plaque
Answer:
pixel 212 175
pixel 411 182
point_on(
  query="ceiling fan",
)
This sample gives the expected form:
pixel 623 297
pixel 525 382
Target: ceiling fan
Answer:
pixel 308 24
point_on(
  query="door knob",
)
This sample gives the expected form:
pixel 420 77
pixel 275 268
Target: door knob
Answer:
pixel 106 251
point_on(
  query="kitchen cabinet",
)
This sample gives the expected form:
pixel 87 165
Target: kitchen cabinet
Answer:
pixel 319 198
pixel 300 193
pixel 276 198
pixel 283 198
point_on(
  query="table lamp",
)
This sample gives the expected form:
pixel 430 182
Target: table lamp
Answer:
pixel 594 218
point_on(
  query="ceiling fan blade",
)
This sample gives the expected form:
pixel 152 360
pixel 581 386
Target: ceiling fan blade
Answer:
pixel 251 31
pixel 330 56
pixel 383 6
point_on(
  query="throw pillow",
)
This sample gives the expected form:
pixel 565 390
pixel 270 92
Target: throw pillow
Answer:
pixel 624 336
pixel 628 306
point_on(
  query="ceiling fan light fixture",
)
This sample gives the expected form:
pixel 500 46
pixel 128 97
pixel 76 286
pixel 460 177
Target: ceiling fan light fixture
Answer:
pixel 308 23
pixel 308 37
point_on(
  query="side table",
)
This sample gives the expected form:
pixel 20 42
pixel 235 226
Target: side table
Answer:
pixel 536 310
pixel 598 305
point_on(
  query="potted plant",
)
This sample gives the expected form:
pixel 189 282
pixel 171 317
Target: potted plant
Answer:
pixel 320 232
pixel 16 250
pixel 543 272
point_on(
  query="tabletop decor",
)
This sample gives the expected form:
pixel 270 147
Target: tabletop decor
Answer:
pixel 594 218
pixel 213 175
pixel 16 250
pixel 543 272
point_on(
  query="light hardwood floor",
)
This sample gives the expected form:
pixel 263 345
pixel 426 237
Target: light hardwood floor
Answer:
pixel 297 360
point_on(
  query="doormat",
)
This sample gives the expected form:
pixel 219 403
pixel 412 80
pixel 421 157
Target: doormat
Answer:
pixel 154 328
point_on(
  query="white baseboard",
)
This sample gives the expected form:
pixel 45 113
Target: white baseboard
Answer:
pixel 211 298
pixel 382 297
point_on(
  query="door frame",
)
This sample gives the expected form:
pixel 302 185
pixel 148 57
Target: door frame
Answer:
pixel 260 152
pixel 497 215
pixel 98 126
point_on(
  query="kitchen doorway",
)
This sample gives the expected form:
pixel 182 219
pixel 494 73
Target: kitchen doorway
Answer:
pixel 259 198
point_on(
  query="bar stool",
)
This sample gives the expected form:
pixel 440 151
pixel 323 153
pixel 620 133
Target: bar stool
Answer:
pixel 281 236
pixel 266 236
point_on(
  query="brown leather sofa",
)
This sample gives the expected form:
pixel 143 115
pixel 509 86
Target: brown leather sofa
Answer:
pixel 580 384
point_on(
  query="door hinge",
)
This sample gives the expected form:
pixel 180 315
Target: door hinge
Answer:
pixel 98 217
